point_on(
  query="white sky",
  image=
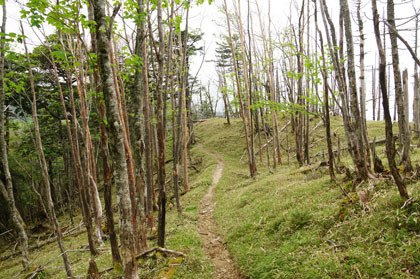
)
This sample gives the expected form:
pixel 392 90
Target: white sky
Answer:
pixel 281 10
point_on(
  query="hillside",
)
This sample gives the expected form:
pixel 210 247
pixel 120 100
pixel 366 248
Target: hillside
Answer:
pixel 293 223
pixel 296 224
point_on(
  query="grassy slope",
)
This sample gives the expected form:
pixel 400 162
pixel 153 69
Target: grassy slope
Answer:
pixel 181 235
pixel 296 225
pixel 289 224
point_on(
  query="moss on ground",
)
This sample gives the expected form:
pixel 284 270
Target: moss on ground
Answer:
pixel 294 223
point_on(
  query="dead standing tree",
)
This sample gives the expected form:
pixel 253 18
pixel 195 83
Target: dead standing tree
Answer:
pixel 349 106
pixel 399 94
pixel 390 145
pixel 245 116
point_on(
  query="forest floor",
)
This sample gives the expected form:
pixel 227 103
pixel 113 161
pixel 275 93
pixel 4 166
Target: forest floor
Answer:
pixel 294 223
pixel 214 245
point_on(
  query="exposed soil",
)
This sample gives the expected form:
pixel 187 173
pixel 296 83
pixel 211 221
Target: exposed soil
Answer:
pixel 215 248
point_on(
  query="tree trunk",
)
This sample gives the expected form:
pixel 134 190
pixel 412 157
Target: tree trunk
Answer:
pixel 363 87
pixel 416 105
pixel 161 129
pixel 44 168
pixel 252 167
pixel 9 195
pixel 75 153
pixel 374 91
pixel 390 145
pixel 139 127
pixel 399 94
pixel 116 133
pixel 407 138
pixel 148 145
pixel 248 95
pixel 107 170
pixel 326 102
pixel 359 151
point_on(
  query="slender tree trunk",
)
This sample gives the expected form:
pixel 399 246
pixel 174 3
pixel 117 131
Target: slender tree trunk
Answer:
pixel 9 195
pixel 92 191
pixel 252 167
pixel 75 154
pixel 248 93
pixel 160 111
pixel 326 102
pixel 416 105
pixel 175 176
pixel 340 78
pixel 374 91
pixel 363 87
pixel 390 145
pixel 225 96
pixel 354 106
pixel 148 146
pixel 139 127
pixel 407 138
pixel 44 168
pixel 399 94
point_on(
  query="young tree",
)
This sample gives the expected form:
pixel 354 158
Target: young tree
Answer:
pixel 245 116
pixel 9 195
pixel 44 168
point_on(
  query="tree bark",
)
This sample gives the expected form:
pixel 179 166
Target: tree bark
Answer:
pixel 116 133
pixel 416 105
pixel 359 151
pixel 402 116
pixel 75 153
pixel 44 168
pixel 245 120
pixel 363 87
pixel 107 170
pixel 161 112
pixel 9 195
pixel 390 145
pixel 139 129
pixel 326 102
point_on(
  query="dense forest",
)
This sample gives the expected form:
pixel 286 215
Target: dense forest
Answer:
pixel 296 156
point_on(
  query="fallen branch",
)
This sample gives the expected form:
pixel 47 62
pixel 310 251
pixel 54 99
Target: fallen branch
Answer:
pixel 34 247
pixel 269 141
pixel 163 250
pixel 413 54
pixel 200 120
pixel 141 255
pixel 262 147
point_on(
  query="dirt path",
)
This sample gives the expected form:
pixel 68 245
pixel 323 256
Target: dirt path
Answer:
pixel 215 248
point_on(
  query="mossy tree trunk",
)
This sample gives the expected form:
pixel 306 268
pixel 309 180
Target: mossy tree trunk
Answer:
pixel 117 148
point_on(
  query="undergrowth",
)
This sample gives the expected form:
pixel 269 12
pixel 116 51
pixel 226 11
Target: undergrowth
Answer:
pixel 295 223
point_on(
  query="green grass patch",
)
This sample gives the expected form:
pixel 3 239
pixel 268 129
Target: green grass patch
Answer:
pixel 288 224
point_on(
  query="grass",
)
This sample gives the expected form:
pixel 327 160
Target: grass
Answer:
pixel 291 224
pixel 294 224
pixel 182 235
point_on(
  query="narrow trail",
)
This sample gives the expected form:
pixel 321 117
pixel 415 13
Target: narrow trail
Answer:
pixel 214 246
